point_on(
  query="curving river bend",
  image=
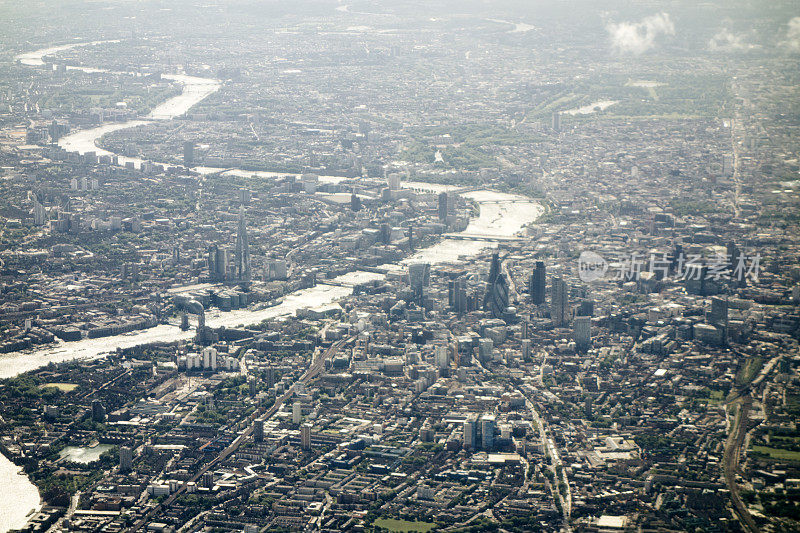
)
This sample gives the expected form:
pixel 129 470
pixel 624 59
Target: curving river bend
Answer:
pixel 500 214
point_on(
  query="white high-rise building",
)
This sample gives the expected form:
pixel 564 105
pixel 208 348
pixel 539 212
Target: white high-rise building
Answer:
pixel 442 359
pixel 297 412
pixel 470 434
pixel 125 458
pixel 209 358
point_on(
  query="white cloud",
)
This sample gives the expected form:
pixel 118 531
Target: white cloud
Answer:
pixel 638 37
pixel 727 41
pixel 792 41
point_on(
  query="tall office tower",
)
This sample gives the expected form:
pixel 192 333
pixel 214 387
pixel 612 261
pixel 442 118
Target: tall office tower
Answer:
pixel 696 278
pixel 125 458
pixel 39 212
pixel 526 349
pixel 485 350
pixel 470 434
pixel 386 233
pixel 496 299
pixel 258 430
pixel 677 259
pixel 297 413
pixel 537 284
pixel 735 257
pixel 201 332
pixel 727 165
pixel 270 376
pixel 441 357
pixel 242 250
pixel 419 277
pixel 460 296
pixel 585 308
pixel 355 202
pixel 559 302
pixel 393 180
pixel 216 256
pixel 221 264
pixel 487 432
pixel 582 333
pixel 188 153
pixel 443 206
pixel 718 316
pixel 305 436
pixel 98 411
pixel 276 269
pixel 556 121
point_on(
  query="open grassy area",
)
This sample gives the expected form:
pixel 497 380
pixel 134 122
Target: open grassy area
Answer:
pixel 749 370
pixel 63 387
pixel 403 526
pixel 777 453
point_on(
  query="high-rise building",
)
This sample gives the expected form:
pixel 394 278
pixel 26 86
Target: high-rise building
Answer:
pixel 727 165
pixel 559 299
pixel 258 430
pixel 277 269
pixel 188 153
pixel 393 180
pixel 526 349
pixel 582 332
pixel 718 316
pixel 442 359
pixel 242 253
pixel 305 436
pixel 98 411
pixel 386 233
pixel 419 276
pixel 470 434
pixel 537 284
pixel 40 217
pixel 125 458
pixel 457 295
pixel 217 263
pixel 297 412
pixel 443 207
pixel 355 202
pixel 556 121
pixel 485 350
pixel 735 258
pixel 487 432
pixel 496 299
